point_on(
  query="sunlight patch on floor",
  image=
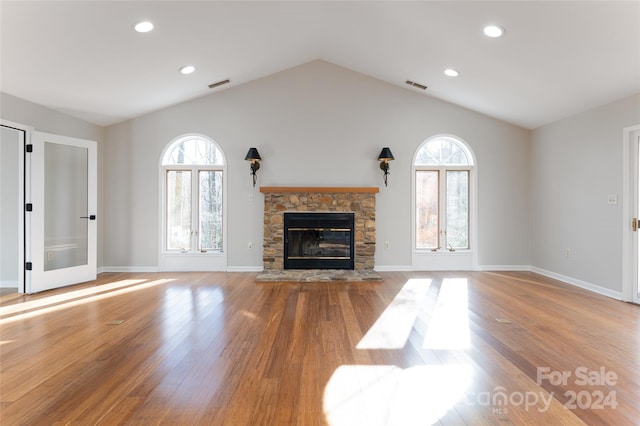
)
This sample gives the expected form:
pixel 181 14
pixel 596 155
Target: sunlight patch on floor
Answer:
pixel 392 328
pixel 388 395
pixel 449 325
pixel 83 301
pixel 52 300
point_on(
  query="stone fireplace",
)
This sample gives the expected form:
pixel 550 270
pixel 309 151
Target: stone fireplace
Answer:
pixel 361 202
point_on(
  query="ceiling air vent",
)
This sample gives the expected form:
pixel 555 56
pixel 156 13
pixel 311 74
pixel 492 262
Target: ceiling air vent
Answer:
pixel 219 83
pixel 414 84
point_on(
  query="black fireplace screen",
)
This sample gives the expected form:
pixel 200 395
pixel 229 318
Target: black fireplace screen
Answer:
pixel 319 240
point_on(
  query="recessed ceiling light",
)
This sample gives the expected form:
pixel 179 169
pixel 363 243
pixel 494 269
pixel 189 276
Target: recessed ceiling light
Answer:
pixel 187 69
pixel 493 31
pixel 451 72
pixel 143 27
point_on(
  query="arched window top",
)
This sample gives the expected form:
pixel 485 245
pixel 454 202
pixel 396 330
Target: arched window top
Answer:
pixel 193 150
pixel 443 151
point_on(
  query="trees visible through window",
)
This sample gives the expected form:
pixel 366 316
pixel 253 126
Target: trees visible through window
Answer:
pixel 193 169
pixel 442 183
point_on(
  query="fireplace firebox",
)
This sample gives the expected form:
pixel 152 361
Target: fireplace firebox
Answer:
pixel 319 240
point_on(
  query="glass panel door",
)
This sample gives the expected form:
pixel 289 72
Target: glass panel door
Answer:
pixel 62 240
pixel 179 210
pixel 427 209
pixel 457 231
pixel 210 210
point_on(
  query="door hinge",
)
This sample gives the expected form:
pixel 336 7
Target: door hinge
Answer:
pixel 28 266
pixel 29 207
pixel 29 148
pixel 634 224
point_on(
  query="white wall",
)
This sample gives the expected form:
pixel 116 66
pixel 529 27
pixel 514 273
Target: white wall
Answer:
pixel 51 121
pixel 575 164
pixel 315 125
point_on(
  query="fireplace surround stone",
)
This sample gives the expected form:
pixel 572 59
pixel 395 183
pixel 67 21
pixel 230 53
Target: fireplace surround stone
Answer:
pixel 359 200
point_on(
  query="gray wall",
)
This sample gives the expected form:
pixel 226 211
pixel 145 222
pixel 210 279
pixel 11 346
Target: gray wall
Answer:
pixel 575 164
pixel 47 120
pixel 315 125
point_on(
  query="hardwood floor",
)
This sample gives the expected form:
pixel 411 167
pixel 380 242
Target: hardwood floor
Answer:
pixel 474 348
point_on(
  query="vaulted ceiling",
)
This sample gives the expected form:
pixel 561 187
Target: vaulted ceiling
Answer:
pixel 554 60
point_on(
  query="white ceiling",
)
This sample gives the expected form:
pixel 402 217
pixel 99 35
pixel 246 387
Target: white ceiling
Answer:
pixel 556 58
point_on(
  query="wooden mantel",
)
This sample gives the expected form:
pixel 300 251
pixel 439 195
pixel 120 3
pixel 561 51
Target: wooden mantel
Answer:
pixel 320 189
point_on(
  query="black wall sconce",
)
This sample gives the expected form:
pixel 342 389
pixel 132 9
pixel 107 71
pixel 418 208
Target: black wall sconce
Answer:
pixel 254 157
pixel 384 158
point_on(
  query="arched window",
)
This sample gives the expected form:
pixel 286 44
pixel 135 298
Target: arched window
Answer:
pixel 443 168
pixel 193 173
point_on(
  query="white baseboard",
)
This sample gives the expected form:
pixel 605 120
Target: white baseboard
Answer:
pixel 191 269
pixel 408 268
pixel 391 268
pixel 579 283
pixel 151 269
pixel 8 284
pixel 131 269
pixel 505 268
pixel 245 269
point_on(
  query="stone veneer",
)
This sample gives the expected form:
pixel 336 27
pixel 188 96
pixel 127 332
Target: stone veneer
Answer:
pixel 361 201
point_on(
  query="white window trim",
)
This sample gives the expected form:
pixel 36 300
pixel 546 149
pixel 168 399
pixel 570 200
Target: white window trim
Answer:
pixel 171 260
pixel 425 259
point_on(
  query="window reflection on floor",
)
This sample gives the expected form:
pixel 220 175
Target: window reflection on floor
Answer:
pixel 420 394
pixel 49 304
pixel 388 395
pixel 449 325
pixel 391 330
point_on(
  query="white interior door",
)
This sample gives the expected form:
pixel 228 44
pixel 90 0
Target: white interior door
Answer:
pixel 635 141
pixel 62 231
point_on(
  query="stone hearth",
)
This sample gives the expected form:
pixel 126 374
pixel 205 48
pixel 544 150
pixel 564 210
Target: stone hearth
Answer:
pixel 317 275
pixel 360 201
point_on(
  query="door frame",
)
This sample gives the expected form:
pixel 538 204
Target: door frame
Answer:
pixel 22 170
pixel 630 201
